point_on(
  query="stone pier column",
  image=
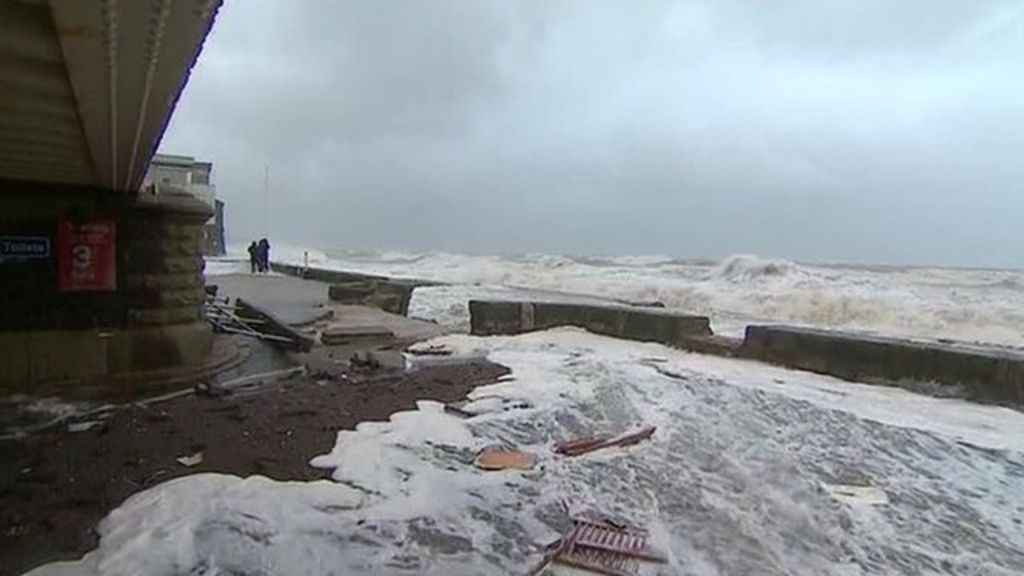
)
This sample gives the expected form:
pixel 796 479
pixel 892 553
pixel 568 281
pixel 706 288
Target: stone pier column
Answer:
pixel 99 288
pixel 163 287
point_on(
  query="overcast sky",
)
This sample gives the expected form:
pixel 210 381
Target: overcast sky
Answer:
pixel 844 130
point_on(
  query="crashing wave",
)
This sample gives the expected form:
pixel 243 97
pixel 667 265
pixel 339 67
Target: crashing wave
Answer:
pixel 970 305
pixel 747 267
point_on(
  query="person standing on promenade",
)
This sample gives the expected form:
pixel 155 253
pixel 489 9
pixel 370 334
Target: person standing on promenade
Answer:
pixel 264 255
pixel 254 257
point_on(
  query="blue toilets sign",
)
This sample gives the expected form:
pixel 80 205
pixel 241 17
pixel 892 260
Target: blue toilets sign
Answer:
pixel 24 247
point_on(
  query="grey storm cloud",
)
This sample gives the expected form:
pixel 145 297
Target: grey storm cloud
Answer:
pixel 870 130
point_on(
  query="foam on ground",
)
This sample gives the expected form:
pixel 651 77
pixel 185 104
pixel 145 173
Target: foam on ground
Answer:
pixel 740 478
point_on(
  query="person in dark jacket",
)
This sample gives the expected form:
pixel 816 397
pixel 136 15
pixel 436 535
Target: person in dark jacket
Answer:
pixel 264 253
pixel 254 257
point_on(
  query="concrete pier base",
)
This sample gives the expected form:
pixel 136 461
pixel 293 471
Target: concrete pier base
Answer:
pixel 121 294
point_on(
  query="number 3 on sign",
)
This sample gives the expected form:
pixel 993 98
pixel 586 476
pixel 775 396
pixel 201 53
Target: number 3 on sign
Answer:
pixel 82 261
pixel 86 256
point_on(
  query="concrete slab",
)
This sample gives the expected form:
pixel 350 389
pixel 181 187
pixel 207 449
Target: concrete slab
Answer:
pixel 332 360
pixel 270 324
pixel 295 301
pixel 406 330
pixel 301 302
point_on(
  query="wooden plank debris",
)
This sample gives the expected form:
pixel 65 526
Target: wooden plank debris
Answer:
pixel 578 446
pixel 504 460
pixel 602 547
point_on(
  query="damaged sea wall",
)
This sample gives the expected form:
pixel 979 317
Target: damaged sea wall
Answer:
pixel 643 324
pixel 353 288
pixel 981 373
pixel 321 274
pixel 393 297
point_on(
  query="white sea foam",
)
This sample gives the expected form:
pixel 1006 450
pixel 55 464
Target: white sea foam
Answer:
pixel 740 478
pixel 217 266
pixel 969 305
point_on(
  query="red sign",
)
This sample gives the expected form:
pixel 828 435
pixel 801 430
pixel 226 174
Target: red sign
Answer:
pixel 86 256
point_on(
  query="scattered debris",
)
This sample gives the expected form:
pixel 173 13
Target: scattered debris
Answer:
pixel 456 410
pixel 190 461
pixel 505 460
pixel 229 386
pixel 488 404
pixel 84 426
pixel 164 397
pixel 432 350
pixel 350 335
pixel 152 478
pixel 44 413
pixel 364 362
pixel 249 320
pixel 601 546
pixel 613 537
pixel 206 390
pixel 579 446
pixel 853 494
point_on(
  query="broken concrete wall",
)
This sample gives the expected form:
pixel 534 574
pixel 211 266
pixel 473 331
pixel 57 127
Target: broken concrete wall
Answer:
pixel 644 324
pixel 354 288
pixel 981 373
pixel 492 318
pixel 387 296
pixel 322 275
pixel 342 276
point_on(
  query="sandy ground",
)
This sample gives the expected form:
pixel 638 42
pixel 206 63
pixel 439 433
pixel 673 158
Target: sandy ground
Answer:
pixel 56 485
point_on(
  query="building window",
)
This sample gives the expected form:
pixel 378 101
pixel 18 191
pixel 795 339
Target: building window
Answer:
pixel 200 178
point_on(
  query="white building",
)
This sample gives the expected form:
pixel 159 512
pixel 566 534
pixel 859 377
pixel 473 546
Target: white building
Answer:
pixel 195 178
pixel 182 172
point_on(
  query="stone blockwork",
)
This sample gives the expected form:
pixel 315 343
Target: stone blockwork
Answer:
pixel 643 324
pixel 162 270
pixel 981 373
pixel 29 295
pixel 152 319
